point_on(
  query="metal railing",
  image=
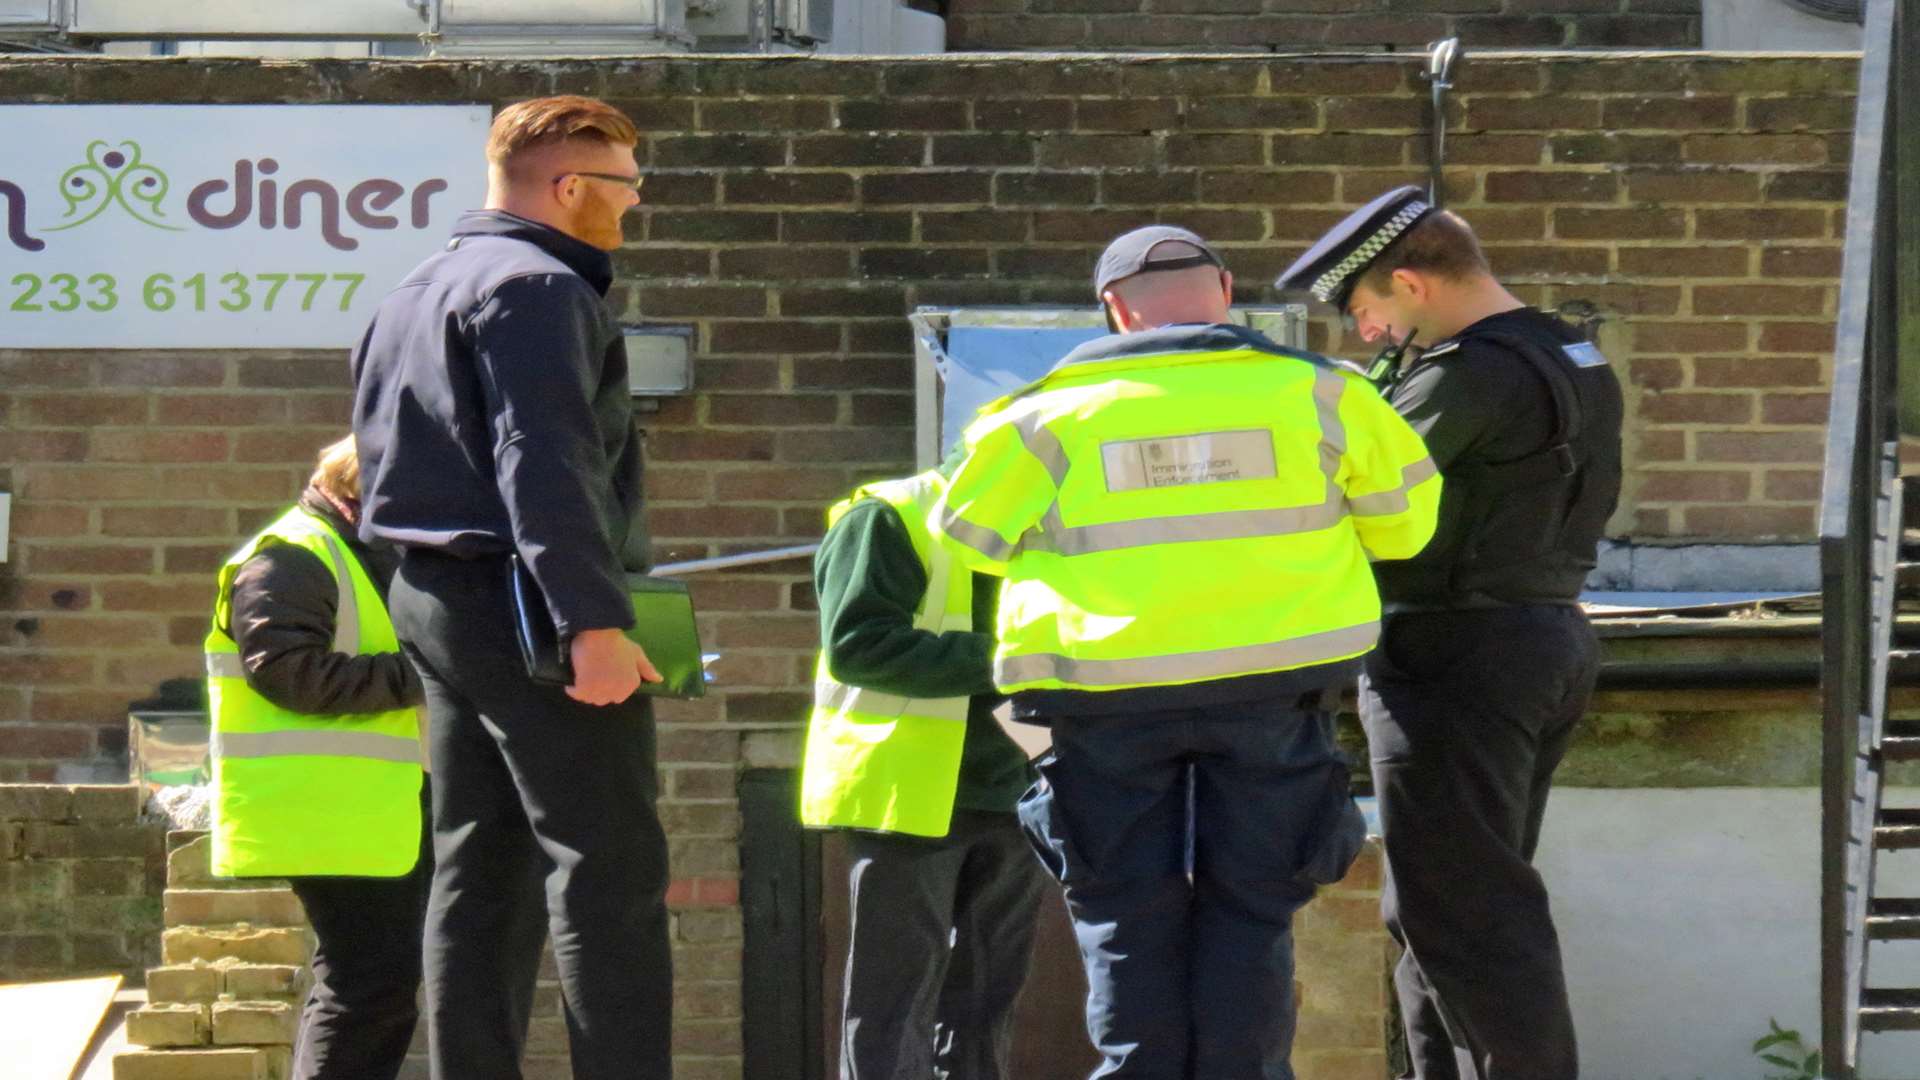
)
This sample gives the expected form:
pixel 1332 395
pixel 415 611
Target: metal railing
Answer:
pixel 1860 511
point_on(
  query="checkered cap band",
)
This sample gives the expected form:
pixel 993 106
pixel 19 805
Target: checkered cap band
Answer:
pixel 1327 284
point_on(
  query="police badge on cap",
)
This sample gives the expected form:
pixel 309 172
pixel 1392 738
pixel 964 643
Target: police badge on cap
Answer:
pixel 1331 267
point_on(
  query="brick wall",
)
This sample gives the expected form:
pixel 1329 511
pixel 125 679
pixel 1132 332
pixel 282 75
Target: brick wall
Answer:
pixel 1318 24
pixel 80 881
pixel 799 207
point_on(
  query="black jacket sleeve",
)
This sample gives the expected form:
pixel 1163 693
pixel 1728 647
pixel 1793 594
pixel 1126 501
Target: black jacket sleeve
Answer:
pixel 533 341
pixel 870 583
pixel 284 603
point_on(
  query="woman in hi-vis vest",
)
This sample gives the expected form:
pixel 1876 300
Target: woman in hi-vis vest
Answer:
pixel 319 776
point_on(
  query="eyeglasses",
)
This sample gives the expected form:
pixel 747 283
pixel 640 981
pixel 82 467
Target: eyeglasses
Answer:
pixel 633 182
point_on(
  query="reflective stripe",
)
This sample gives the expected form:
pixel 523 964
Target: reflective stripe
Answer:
pixel 1045 445
pixel 978 537
pixel 836 697
pixel 225 665
pixel 1188 667
pixel 350 744
pixel 346 616
pixel 1395 501
pixel 1184 528
pixel 1327 388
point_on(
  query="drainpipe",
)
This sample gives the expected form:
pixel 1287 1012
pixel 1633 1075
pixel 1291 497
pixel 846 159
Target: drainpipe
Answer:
pixel 1442 55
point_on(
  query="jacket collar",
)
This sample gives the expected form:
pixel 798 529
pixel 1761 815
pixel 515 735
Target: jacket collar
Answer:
pixel 1182 338
pixel 582 258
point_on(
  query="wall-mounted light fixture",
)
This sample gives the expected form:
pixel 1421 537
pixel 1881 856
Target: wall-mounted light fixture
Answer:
pixel 659 360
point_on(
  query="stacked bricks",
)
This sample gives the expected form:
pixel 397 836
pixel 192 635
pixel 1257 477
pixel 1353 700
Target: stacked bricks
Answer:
pixel 1343 970
pixel 236 968
pixel 1321 24
pixel 797 208
pixel 80 880
pixel 235 958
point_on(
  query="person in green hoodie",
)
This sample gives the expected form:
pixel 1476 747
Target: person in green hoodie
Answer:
pixel 904 755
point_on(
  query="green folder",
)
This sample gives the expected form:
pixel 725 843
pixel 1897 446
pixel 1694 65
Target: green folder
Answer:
pixel 664 626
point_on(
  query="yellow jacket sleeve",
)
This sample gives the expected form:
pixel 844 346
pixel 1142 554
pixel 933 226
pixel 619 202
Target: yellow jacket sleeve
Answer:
pixel 1392 486
pixel 997 492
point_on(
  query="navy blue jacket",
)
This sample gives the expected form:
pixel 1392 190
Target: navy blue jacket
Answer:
pixel 492 414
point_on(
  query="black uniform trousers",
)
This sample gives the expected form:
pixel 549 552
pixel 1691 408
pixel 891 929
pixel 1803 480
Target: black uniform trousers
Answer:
pixel 941 939
pixel 361 1012
pixel 544 823
pixel 1185 841
pixel 1467 715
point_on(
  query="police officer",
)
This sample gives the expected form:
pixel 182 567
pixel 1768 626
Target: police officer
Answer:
pixel 1486 661
pixel 904 755
pixel 1183 513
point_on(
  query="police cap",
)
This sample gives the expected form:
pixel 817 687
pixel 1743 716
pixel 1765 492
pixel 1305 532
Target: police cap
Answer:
pixel 1331 267
pixel 1131 254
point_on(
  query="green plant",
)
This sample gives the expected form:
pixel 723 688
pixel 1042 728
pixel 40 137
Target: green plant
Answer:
pixel 1783 1049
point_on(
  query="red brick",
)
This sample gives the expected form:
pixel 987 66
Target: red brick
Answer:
pixel 1793 485
pixel 1688 261
pixel 32 520
pixel 164 521
pixel 1770 224
pixel 1533 114
pixel 846 445
pixel 101 632
pixel 44 669
pixel 1346 151
pixel 1759 371
pixel 1662 446
pixel 731 446
pixel 80 410
pixel 219 410
pixel 1759 446
pixel 1801 112
pixel 781 484
pixel 21 372
pixel 781 337
pixel 1800 262
pixel 1668 113
pixel 43 445
pixel 1629 299
pixel 174 596
pixel 289 446
pixel 1759 300
pixel 90 559
pixel 1786 337
pixel 158 446
pixel 1750 522
pixel 1693 185
pixel 1556 187
pixel 1688 338
pixel 194 558
pixel 44 742
pixel 1656 372
pixel 1628 224
pixel 1794 408
pixel 1683 408
pixel 86 483
pixel 1755 149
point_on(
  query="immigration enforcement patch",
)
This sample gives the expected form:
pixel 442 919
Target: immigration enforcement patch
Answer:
pixel 1206 458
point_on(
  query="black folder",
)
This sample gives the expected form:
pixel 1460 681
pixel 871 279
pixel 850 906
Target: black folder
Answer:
pixel 663 625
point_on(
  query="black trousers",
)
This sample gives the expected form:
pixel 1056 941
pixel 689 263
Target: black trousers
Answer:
pixel 361 1012
pixel 544 823
pixel 1186 840
pixel 1467 714
pixel 942 935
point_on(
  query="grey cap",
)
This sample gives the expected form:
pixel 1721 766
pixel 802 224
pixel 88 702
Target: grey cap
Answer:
pixel 1129 255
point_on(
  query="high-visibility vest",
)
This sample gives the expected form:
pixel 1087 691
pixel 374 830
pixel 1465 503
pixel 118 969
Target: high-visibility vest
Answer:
pixel 298 795
pixel 880 761
pixel 1182 505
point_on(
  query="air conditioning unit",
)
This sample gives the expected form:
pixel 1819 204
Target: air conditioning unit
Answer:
pixel 844 27
pixel 30 16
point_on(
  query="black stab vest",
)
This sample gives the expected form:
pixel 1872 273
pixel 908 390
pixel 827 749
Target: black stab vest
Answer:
pixel 1529 525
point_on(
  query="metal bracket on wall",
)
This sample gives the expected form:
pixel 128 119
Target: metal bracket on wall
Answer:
pixel 1442 56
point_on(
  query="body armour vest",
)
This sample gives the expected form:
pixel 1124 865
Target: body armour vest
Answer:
pixel 1525 528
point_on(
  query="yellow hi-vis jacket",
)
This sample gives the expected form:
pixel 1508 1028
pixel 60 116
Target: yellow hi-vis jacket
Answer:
pixel 879 761
pixel 298 795
pixel 1186 504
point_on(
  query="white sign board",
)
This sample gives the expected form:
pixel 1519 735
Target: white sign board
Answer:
pixel 222 226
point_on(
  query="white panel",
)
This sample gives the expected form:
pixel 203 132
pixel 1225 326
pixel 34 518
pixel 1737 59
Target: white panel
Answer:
pixel 1772 26
pixel 145 226
pixel 246 18
pixel 29 14
pixel 583 15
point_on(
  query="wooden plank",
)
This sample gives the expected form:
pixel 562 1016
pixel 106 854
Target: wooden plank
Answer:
pixel 46 1027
